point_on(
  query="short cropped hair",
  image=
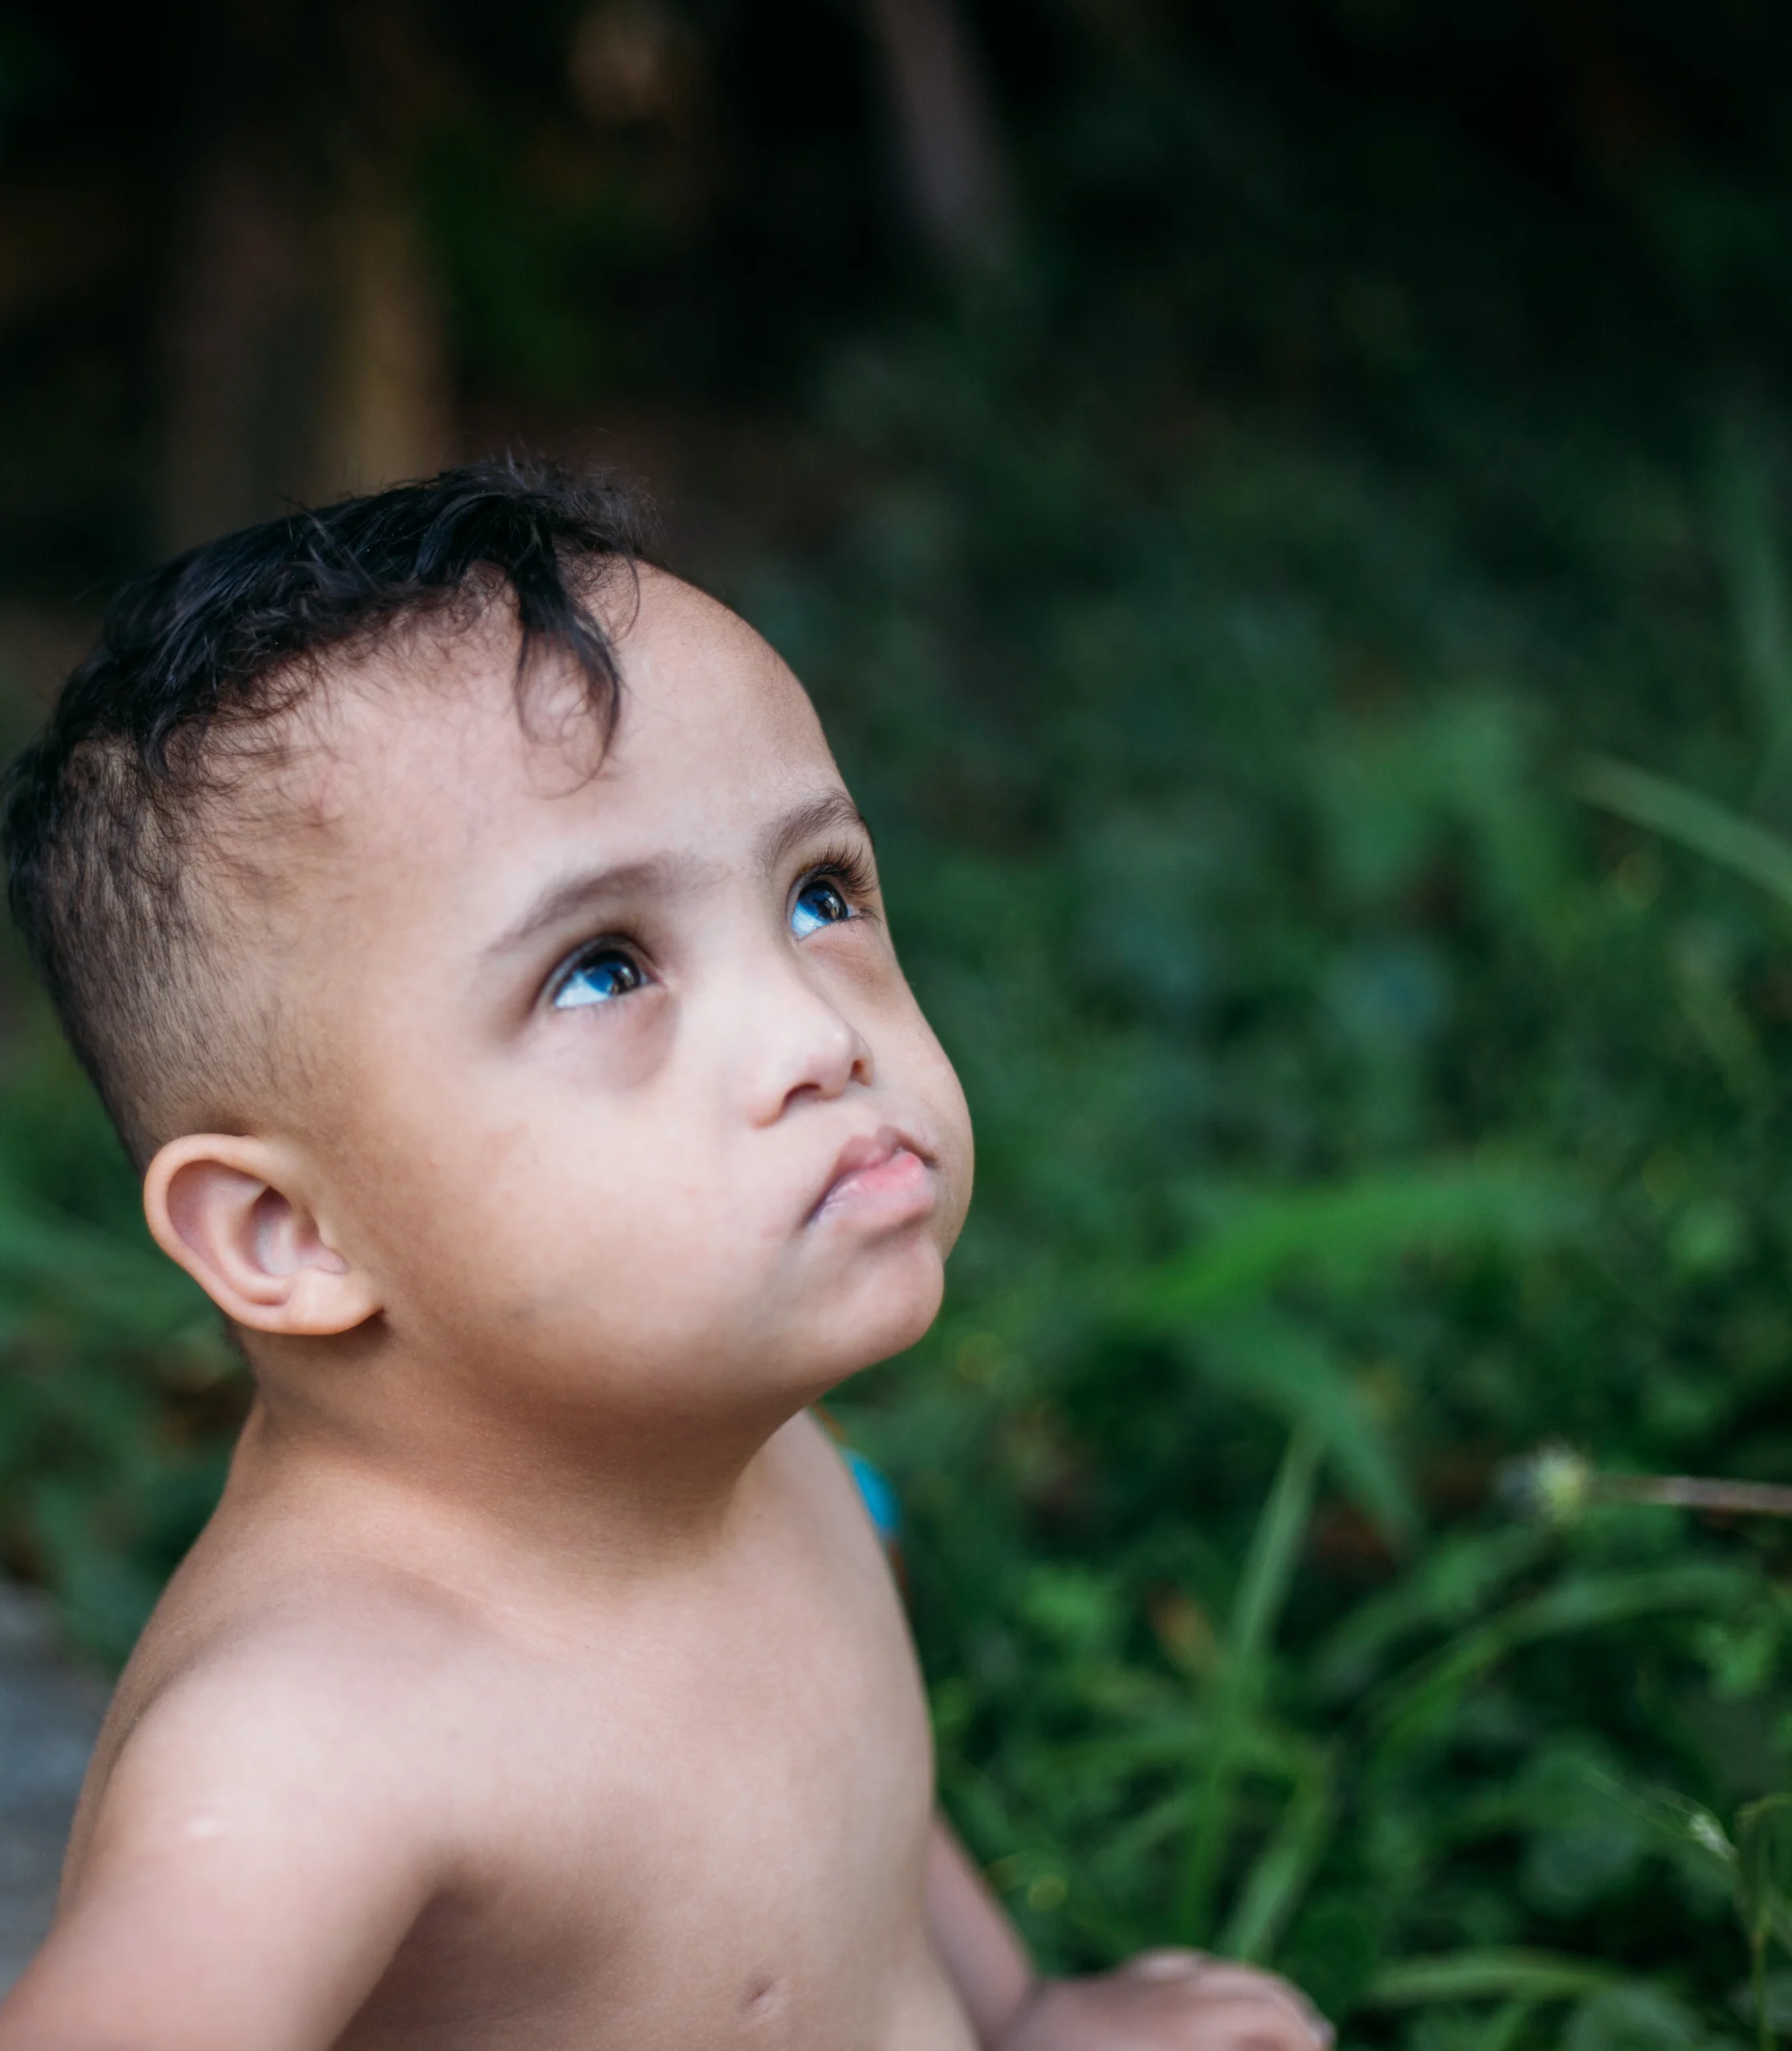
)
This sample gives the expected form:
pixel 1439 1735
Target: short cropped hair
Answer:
pixel 110 816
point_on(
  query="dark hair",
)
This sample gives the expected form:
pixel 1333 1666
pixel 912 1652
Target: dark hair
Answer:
pixel 104 812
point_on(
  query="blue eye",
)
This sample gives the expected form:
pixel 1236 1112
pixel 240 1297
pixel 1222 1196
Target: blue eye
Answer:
pixel 599 978
pixel 819 903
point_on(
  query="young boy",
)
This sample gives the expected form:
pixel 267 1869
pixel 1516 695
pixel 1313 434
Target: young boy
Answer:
pixel 469 931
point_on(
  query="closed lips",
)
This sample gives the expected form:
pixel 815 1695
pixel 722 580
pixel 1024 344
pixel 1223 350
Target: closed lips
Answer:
pixel 883 1169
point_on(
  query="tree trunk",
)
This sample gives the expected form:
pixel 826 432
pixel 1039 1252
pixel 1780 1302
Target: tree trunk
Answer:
pixel 953 176
pixel 235 287
pixel 384 413
pixel 305 352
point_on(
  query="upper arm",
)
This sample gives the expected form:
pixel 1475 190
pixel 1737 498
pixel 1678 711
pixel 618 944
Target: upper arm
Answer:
pixel 250 1868
pixel 974 1940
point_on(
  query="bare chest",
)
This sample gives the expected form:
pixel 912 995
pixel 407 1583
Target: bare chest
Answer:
pixel 711 1832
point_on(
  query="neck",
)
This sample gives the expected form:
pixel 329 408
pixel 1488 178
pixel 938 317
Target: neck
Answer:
pixel 587 1487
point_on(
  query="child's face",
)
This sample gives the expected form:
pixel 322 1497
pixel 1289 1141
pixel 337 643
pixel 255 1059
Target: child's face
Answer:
pixel 600 1087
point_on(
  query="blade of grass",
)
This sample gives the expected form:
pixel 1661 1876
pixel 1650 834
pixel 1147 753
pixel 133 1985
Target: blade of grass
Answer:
pixel 1763 1854
pixel 1290 1366
pixel 1583 1603
pixel 1503 2026
pixel 1276 1882
pixel 1695 821
pixel 1430 1206
pixel 1454 1585
pixel 1750 554
pixel 1474 1975
pixel 1262 1589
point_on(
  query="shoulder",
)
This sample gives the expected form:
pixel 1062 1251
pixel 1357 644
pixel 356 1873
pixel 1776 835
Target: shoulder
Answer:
pixel 270 1812
pixel 851 1498
pixel 825 1464
pixel 337 1699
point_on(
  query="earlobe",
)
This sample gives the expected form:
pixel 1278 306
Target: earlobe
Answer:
pixel 234 1215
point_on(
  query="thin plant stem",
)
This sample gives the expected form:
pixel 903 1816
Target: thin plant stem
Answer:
pixel 1695 1491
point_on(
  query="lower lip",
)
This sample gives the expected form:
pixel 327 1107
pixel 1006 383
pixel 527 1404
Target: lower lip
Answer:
pixel 890 1192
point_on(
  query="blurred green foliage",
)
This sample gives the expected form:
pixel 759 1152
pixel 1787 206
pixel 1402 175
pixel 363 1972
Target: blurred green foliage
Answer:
pixel 116 1386
pixel 1311 632
pixel 1360 1105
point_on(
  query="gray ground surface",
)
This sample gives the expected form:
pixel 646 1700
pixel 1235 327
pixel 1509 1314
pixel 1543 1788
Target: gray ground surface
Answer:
pixel 49 1715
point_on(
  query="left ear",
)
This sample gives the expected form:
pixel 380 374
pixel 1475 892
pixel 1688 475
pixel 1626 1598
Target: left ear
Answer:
pixel 234 1213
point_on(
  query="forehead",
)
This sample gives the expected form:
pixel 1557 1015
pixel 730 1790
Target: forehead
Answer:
pixel 427 759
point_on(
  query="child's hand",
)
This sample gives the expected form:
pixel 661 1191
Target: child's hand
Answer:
pixel 1168 2000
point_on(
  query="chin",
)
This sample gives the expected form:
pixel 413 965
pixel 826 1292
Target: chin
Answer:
pixel 883 1313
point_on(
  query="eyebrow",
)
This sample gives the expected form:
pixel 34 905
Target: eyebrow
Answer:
pixel 832 811
pixel 663 875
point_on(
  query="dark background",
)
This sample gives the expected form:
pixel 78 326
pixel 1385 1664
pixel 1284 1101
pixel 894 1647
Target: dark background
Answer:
pixel 1235 476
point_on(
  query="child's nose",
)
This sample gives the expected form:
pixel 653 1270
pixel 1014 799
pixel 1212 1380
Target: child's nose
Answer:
pixel 800 1046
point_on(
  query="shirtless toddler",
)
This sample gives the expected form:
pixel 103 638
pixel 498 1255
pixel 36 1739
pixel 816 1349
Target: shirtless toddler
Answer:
pixel 471 936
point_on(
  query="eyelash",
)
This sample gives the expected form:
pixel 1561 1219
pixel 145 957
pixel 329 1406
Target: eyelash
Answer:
pixel 593 950
pixel 850 868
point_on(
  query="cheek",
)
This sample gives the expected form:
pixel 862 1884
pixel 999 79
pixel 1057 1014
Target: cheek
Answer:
pixel 960 1151
pixel 616 1229
pixel 928 1076
pixel 611 1051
